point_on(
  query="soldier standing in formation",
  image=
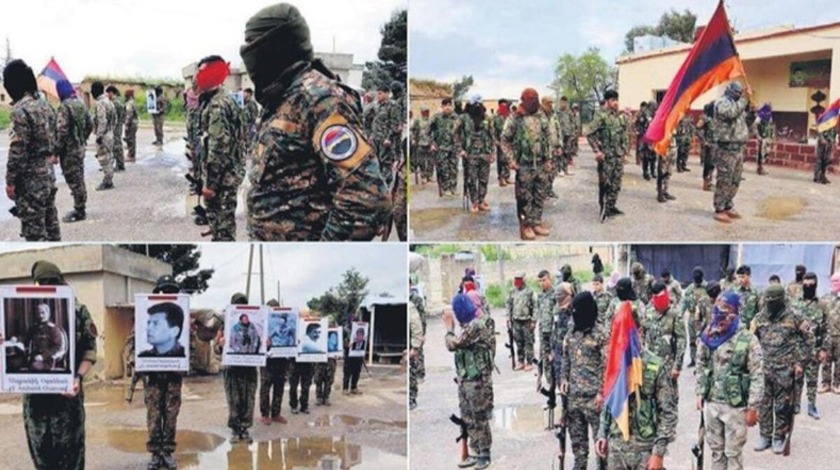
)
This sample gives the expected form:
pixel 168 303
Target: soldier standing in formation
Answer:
pixel 324 376
pixel 608 139
pixel 563 297
pixel 706 136
pixel 385 133
pixel 692 308
pixel 663 332
pixel 73 128
pixel 420 303
pixel 104 124
pixel 648 157
pixel 832 302
pixel 421 158
pixel 556 140
pixel 684 136
pixel 272 383
pixel 416 339
pixel 131 120
pixel 161 106
pixel 475 138
pixel 816 312
pixel 766 131
pixel 315 176
pixel 664 163
pixel 502 163
pixel 750 296
pixel 675 291
pixel 443 148
pixel 545 304
pixel 826 141
pixel 119 156
pixel 240 388
pixel 603 299
pixel 568 134
pixel 730 141
pixel 520 307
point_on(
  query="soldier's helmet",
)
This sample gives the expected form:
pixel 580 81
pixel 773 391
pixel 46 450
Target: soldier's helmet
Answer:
pixel 166 284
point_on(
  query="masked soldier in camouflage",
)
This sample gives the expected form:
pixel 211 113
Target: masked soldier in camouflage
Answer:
pixel 502 164
pixel 240 388
pixel 684 136
pixel 475 138
pixel 788 346
pixel 832 342
pixel 73 128
pixel 816 312
pixel 730 141
pixel 526 140
pixel 794 288
pixel 663 331
pixel 730 382
pixel 608 139
pixel 443 148
pixel 691 307
pixel 104 125
pixel 119 156
pixel 421 160
pixel 545 304
pixel 565 274
pixel 131 120
pixel 223 165
pixel 474 369
pixel 584 357
pixel 750 296
pixel 675 291
pixel 826 141
pixel 624 292
pixel 520 307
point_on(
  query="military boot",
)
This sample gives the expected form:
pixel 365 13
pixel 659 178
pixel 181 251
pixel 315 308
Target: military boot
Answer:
pixel 482 462
pixel 812 412
pixel 74 216
pixel 722 217
pixel 541 230
pixel 155 462
pixel 105 185
pixel 246 436
pixel 778 446
pixel 169 461
pixel 468 462
pixel 763 444
pixel 670 196
pixel 824 388
pixel 234 437
pixel 707 185
pixel 525 232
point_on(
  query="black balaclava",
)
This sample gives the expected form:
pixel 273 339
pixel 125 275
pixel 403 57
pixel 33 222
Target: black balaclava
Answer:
pixel 809 292
pixel 698 275
pixel 624 289
pixel 566 270
pixel 800 273
pixel 713 290
pixel 96 89
pixel 584 311
pixel 19 80
pixel 774 298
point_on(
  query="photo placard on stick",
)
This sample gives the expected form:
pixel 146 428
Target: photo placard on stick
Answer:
pixel 358 338
pixel 38 324
pixel 282 331
pixel 151 102
pixel 245 336
pixel 335 341
pixel 162 332
pixel 312 340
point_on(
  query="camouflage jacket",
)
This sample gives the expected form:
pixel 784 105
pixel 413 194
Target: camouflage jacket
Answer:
pixel 608 133
pixel 705 131
pixel 750 302
pixel 766 130
pixel 104 118
pixel 691 302
pixel 387 122
pixel 250 113
pixel 638 309
pixel 477 341
pixel 566 121
pixel 545 310
pixel 131 115
pixel 420 304
pixel 314 174
pixel 86 334
pixel 420 132
pixel 476 142
pixel 832 328
pixel 73 127
pixel 527 139
pixel 685 131
pixel 442 131
pixel 785 341
pixel 794 290
pixel 119 109
pixel 816 312
pixel 415 326
pixel 498 127
pixel 675 293
pixel 563 323
pixel 221 126
pixel 603 299
pixel 716 371
pixel 520 304
pixel 731 121
pixel 664 335
pixel 828 137
pixel 642 287
pixel 584 360
pixel 30 144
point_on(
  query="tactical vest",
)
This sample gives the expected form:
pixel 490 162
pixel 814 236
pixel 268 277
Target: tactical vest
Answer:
pixel 645 413
pixel 474 361
pixel 736 380
pixel 524 142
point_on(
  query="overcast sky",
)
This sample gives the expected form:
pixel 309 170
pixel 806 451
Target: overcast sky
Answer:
pixel 507 46
pixel 156 38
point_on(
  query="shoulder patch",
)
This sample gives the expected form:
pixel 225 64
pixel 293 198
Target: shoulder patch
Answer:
pixel 339 142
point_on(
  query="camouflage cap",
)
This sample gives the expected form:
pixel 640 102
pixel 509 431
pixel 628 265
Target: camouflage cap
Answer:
pixel 636 267
pixel 774 292
pixel 166 284
pixel 44 270
pixel 273 303
pixel 239 299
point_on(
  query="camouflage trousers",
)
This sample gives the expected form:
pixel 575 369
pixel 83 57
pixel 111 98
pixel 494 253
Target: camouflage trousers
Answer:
pixel 324 377
pixel 55 431
pixel 421 363
pixel 569 152
pixel 823 159
pixel 157 122
pixel 272 383
pixel 413 376
pixel 475 400
pixel 648 161
pixel 664 164
pixel 726 434
pixel 221 214
pixel 694 329
pixel 387 158
pixel 808 379
pixel 523 335
pixel 763 151
pixel 532 183
pixel 478 175
pixel 421 161
pixel 131 142
pixel 502 165
pixel 611 171
pixel 119 155
pixel 400 198
pixel 38 215
pixel 833 359
pixel 73 168
pixel 630 455
pixel 729 162
pixel 582 416
pixel 301 376
pixel 683 148
pixel 447 170
pixel 707 159
pixel 240 391
pixel 777 402
pixel 162 395
pixel 104 155
pixel 545 352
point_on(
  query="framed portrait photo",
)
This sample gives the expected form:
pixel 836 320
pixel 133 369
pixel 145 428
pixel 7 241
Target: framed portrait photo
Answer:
pixel 358 338
pixel 151 102
pixel 335 342
pixel 162 332
pixel 282 331
pixel 312 340
pixel 245 336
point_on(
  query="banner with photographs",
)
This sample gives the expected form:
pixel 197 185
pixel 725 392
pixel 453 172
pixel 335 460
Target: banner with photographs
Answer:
pixel 245 336
pixel 282 331
pixel 335 342
pixel 162 332
pixel 358 338
pixel 38 324
pixel 312 340
pixel 151 102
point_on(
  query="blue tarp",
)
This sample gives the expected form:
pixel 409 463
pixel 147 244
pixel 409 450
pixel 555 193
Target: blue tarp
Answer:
pixel 781 259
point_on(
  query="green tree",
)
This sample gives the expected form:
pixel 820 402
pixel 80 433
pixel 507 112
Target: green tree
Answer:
pixel 185 264
pixel 392 54
pixel 461 87
pixel 672 24
pixel 346 298
pixel 584 77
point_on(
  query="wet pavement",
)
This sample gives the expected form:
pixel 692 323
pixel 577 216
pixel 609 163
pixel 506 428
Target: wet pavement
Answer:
pixel 360 432
pixel 782 206
pixel 520 440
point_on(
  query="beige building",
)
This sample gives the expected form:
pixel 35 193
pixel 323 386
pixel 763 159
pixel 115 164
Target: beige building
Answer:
pixel 105 279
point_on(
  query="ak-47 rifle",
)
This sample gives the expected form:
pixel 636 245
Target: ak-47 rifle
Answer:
pixel 396 186
pixel 602 215
pixel 196 183
pixel 551 396
pixel 510 345
pixel 794 396
pixel 462 438
pixel 560 434
pixel 466 199
pixel 698 448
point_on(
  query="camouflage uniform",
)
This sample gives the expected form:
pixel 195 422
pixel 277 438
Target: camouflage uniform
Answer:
pixel 418 303
pixel 730 379
pixel 520 306
pixel 442 133
pixel 240 391
pixel 675 292
pixel 545 304
pixel 794 290
pixel 400 196
pixel 642 285
pixel 54 424
pixel 584 359
pixel 162 395
pixel 816 312
pixel 474 369
pixel 272 383
pixel 664 335
pixel 664 163
pixel 603 299
pixel 692 307
pixel 324 377
pixel 250 115
pixel 131 120
pixel 653 420
pixel 766 133
pixel 119 156
pixel 730 140
pixel 502 163
pixel 560 328
pixel 750 303
pixel 643 149
pixel 158 118
pixel 637 308
pixel 307 183
pixel 825 147
pixel 786 341
pixel 416 337
pixel 832 340
pixel 685 133
pixel 29 171
pixel 223 165
pixel 73 128
pixel 526 141
pixel 421 159
pixel 386 125
pixel 479 147
pixel 567 129
pixel 608 135
pixel 104 123
pixel 301 374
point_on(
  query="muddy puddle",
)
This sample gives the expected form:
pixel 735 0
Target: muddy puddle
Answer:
pixel 780 208
pixel 348 420
pixel 113 398
pixel 520 418
pixel 430 219
pixel 206 451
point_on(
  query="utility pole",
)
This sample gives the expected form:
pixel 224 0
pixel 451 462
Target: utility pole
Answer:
pixel 248 279
pixel 262 278
pixel 279 299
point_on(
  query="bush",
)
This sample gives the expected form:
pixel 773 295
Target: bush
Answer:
pixel 174 113
pixel 495 295
pixel 435 251
pixel 5 117
pixel 494 253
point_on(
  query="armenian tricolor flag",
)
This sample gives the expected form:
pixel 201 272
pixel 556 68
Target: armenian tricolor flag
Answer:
pixel 828 118
pixel 713 60
pixel 48 77
pixel 623 374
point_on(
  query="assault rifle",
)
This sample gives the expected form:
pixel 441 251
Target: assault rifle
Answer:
pixel 510 345
pixel 560 434
pixel 698 448
pixel 462 438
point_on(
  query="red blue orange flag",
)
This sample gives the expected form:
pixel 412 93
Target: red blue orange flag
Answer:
pixel 48 77
pixel 623 374
pixel 828 118
pixel 712 60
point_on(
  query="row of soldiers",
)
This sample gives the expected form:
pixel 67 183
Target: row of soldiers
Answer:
pixel 752 351
pixel 42 137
